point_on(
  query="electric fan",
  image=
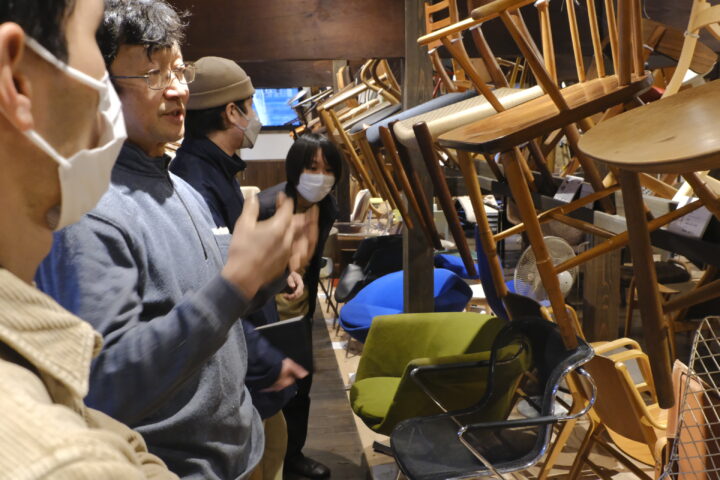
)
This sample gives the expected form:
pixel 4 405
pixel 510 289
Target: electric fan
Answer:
pixel 527 277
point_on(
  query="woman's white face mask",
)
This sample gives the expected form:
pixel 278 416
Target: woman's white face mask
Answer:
pixel 84 176
pixel 315 186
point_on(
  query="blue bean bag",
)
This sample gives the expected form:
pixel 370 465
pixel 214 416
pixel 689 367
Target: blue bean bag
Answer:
pixel 384 296
pixel 455 264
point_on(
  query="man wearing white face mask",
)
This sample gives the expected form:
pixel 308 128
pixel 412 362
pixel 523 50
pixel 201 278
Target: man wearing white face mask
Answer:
pixel 61 128
pixel 220 121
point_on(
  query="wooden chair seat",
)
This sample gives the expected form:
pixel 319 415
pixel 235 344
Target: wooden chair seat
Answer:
pixel 540 115
pixel 654 139
pixel 453 116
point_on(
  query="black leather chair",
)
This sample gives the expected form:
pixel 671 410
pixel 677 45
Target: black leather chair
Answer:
pixel 375 257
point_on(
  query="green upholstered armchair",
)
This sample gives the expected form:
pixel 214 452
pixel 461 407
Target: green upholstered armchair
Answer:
pixel 384 393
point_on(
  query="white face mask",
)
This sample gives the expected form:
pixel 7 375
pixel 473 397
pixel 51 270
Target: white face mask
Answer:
pixel 85 176
pixel 251 130
pixel 315 186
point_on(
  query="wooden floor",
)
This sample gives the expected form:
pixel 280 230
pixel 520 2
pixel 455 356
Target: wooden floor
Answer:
pixel 332 436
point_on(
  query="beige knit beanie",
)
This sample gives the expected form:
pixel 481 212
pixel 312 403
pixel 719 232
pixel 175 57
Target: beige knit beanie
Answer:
pixel 218 81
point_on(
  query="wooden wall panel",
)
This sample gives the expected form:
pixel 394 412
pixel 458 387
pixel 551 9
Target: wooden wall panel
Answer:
pixel 295 73
pixel 262 30
pixel 262 173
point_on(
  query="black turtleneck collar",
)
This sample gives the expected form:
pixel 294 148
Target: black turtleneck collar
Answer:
pixel 207 150
pixel 134 158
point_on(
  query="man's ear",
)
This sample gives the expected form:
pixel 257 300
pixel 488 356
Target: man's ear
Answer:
pixel 228 114
pixel 15 90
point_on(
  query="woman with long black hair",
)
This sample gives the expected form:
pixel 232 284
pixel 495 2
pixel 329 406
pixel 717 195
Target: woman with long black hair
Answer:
pixel 313 167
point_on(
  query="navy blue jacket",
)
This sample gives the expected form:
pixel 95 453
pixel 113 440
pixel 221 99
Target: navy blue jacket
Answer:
pixel 211 171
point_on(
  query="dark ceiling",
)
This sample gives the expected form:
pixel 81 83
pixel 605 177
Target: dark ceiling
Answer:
pixel 285 41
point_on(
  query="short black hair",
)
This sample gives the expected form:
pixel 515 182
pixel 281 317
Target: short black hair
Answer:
pixel 154 24
pixel 201 123
pixel 43 20
pixel 302 153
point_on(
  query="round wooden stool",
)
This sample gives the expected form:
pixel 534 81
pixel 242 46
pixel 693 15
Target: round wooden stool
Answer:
pixel 678 135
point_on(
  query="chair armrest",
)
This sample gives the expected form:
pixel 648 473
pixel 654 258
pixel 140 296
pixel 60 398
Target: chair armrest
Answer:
pixel 457 27
pixel 542 420
pixel 522 422
pixel 602 348
pixel 493 9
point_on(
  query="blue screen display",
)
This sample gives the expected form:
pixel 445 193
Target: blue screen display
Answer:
pixel 272 106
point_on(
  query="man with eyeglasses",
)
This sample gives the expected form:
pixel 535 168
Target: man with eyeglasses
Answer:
pixel 146 270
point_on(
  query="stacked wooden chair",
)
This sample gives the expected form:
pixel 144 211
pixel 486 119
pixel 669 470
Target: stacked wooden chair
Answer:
pixel 556 108
pixel 376 93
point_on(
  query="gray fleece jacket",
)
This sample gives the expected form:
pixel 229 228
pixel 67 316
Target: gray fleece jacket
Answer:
pixel 143 269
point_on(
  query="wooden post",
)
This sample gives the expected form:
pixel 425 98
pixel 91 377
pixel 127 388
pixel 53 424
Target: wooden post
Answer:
pixel 417 88
pixel 343 187
pixel 601 295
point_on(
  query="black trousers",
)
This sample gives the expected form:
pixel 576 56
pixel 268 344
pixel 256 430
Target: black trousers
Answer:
pixel 297 412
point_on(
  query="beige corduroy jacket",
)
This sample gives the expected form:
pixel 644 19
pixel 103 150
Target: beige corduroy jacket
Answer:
pixel 45 429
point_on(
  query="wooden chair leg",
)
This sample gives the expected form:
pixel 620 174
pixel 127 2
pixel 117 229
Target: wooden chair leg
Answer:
pixel 557 447
pixel 649 302
pixel 547 186
pixel 671 330
pixel 584 449
pixel 469 172
pixel 630 307
pixel 579 402
pixel 591 173
pixel 511 161
pixel 424 138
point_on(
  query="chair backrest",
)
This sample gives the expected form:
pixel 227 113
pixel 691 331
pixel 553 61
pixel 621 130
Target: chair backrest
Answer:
pixel 695 452
pixel 467 72
pixel 623 29
pixel 619 405
pixel 703 16
pixel 551 360
pixel 378 76
pixel 551 363
pixel 429 448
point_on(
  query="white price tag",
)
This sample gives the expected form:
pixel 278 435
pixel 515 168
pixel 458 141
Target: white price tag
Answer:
pixel 568 188
pixel 694 223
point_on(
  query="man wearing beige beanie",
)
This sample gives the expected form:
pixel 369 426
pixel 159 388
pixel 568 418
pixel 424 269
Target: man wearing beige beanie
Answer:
pixel 220 121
